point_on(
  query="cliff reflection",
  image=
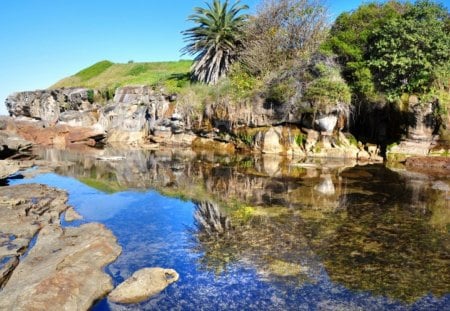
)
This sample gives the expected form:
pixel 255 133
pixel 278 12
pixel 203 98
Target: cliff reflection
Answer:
pixel 366 227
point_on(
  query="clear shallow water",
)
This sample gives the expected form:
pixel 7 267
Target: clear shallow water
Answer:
pixel 303 238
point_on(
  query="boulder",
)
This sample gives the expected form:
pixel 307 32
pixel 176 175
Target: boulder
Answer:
pixel 326 123
pixel 143 284
pixel 271 141
pixel 47 105
pixel 40 104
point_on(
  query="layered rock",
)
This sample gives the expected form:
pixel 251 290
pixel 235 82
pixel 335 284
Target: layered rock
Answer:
pixel 63 270
pixel 60 135
pixel 144 117
pixel 47 105
pixel 423 126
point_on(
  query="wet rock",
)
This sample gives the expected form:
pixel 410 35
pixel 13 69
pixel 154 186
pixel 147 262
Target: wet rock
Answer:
pixel 25 209
pixel 143 284
pixel 72 215
pixel 213 145
pixel 63 270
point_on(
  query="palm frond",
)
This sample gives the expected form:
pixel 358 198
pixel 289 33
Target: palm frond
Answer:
pixel 215 39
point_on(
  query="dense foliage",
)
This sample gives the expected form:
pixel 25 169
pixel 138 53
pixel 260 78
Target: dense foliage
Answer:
pixel 393 48
pixel 215 39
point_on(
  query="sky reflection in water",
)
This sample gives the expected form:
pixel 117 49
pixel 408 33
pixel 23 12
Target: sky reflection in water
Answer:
pixel 155 230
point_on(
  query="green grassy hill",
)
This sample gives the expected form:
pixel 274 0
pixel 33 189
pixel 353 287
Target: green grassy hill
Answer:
pixel 108 75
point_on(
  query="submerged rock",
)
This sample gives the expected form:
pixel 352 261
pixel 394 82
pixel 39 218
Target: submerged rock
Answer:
pixel 143 284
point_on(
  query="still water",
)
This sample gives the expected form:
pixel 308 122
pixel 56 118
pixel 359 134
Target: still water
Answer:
pixel 300 235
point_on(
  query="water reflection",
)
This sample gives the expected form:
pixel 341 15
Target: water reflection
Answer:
pixel 297 225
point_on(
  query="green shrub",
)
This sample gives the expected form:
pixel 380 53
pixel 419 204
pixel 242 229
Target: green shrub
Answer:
pixel 281 91
pixel 246 137
pixel 326 92
pixel 243 85
pixel 300 139
pixel 90 95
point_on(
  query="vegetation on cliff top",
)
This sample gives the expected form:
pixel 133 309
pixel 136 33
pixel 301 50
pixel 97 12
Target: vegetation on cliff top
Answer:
pixel 108 75
pixel 286 53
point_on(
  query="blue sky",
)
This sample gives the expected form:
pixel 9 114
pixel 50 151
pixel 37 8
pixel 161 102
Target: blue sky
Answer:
pixel 43 41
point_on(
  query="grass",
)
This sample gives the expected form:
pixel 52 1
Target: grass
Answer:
pixel 107 75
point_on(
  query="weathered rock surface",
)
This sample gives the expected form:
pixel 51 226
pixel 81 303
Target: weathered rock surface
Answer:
pixel 47 105
pixel 63 270
pixel 8 168
pixel 143 284
pixel 72 215
pixel 60 135
pixel 139 115
pixel 78 118
pixel 12 145
pixel 422 120
pixel 271 141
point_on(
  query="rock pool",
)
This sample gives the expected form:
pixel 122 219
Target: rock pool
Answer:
pixel 303 235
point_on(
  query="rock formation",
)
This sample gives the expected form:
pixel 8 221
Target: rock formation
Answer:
pixel 143 284
pixel 63 270
pixel 141 116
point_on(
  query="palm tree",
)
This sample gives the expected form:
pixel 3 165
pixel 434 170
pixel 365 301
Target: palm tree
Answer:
pixel 215 40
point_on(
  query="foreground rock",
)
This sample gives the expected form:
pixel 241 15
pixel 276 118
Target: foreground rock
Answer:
pixel 12 145
pixel 72 215
pixel 63 271
pixel 8 168
pixel 143 284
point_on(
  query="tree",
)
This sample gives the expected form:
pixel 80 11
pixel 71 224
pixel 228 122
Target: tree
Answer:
pixel 215 40
pixel 391 48
pixel 281 32
pixel 349 37
pixel 405 52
